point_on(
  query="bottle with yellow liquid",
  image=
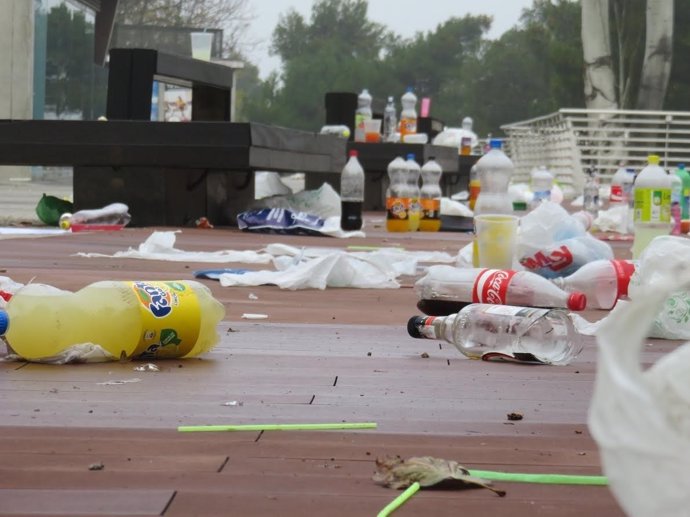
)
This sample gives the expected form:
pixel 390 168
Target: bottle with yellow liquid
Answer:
pixel 474 186
pixel 431 196
pixel 652 208
pixel 415 209
pixel 397 197
pixel 129 320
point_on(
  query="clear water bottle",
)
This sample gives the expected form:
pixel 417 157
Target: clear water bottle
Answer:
pixel 397 197
pixel 415 208
pixel 590 195
pixel 430 196
pixel 390 121
pixel 114 215
pixel 351 194
pixel 541 184
pixel 652 214
pixel 408 114
pixel 362 114
pixel 602 281
pixel 621 195
pixel 495 171
pixel 484 331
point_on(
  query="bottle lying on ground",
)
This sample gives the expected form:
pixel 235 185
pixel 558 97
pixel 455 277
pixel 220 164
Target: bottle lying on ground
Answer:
pixel 114 215
pixel 447 289
pixel 504 332
pixel 602 281
pixel 144 320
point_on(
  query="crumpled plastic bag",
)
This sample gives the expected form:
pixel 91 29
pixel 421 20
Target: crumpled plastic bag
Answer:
pixel 664 253
pixel 614 219
pixel 552 243
pixel 641 419
pixel 323 202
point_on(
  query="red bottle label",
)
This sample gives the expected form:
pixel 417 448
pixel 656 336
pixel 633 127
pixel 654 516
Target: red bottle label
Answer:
pixel 624 270
pixel 616 193
pixel 491 286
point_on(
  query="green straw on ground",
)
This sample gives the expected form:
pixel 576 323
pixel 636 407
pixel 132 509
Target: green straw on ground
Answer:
pixel 548 479
pixel 276 427
pixel 399 501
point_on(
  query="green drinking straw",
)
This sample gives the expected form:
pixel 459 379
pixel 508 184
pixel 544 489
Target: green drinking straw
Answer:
pixel 399 501
pixel 276 427
pixel 549 479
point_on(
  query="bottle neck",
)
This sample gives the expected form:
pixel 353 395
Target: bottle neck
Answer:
pixel 431 327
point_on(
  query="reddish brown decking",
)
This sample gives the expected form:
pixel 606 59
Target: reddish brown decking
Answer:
pixel 321 356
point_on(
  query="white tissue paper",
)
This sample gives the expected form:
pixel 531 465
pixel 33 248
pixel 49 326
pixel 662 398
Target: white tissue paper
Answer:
pixel 641 419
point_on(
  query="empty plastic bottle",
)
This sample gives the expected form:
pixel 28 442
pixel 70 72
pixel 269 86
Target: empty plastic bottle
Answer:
pixel 351 193
pixel 362 114
pixel 495 171
pixel 113 215
pixel 397 197
pixel 390 121
pixel 590 195
pixel 415 208
pixel 408 114
pixel 430 196
pixel 652 214
pixel 602 281
pixel 145 319
pixel 676 199
pixel 484 331
pixel 448 289
pixel 541 184
pixel 621 195
pixel 684 176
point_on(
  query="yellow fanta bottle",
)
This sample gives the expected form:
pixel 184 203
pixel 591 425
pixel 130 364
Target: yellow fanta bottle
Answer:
pixel 129 320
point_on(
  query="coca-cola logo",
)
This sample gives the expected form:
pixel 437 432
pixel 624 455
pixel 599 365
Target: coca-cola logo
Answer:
pixel 491 286
pixel 556 259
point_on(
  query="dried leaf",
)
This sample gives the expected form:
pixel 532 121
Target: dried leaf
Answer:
pixel 397 473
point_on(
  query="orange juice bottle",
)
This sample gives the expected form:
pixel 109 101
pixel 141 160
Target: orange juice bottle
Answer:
pixel 397 197
pixel 475 187
pixel 431 196
pixel 408 115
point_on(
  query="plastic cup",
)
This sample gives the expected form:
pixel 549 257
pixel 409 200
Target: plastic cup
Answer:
pixel 495 240
pixel 372 130
pixel 201 45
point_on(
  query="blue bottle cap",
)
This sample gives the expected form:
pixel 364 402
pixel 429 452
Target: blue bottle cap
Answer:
pixel 4 322
pixel 410 156
pixel 681 166
pixel 495 143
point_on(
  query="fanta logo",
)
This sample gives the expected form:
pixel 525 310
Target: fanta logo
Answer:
pixel 398 210
pixel 491 286
pixel 559 258
pixel 154 298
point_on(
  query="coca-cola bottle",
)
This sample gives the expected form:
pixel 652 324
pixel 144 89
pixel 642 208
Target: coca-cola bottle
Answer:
pixel 447 289
pixel 523 334
pixel 602 281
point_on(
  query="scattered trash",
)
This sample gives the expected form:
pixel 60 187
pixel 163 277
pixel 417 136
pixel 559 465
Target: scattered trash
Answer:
pixel 397 473
pixel 514 416
pixel 111 217
pixel 286 222
pixel 233 403
pixel 148 367
pixel 252 296
pixel 97 466
pixel 250 316
pixel 214 274
pixel 203 222
pixel 119 382
pixel 50 208
pixel 425 355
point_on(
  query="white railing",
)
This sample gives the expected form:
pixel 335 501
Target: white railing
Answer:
pixel 571 140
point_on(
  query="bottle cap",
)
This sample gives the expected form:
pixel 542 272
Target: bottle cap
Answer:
pixel 414 325
pixel 353 152
pixel 653 159
pixel 495 143
pixel 681 166
pixel 577 301
pixel 410 156
pixel 4 322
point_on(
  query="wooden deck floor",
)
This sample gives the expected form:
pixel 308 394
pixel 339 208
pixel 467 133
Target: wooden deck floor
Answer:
pixel 321 356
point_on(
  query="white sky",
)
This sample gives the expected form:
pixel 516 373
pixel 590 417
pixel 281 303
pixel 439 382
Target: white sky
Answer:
pixel 404 17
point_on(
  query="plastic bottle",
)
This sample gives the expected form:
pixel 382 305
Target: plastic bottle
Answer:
pixel 390 121
pixel 115 215
pixel 351 194
pixel 541 184
pixel 362 113
pixel 483 331
pixel 415 208
pixel 590 195
pixel 494 170
pixel 676 199
pixel 457 287
pixel 652 214
pixel 474 186
pixel 397 197
pixel 149 320
pixel 621 194
pixel 430 196
pixel 602 281
pixel 408 114
pixel 684 176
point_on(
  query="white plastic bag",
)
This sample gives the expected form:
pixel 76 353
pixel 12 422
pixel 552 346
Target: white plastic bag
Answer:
pixel 641 419
pixel 672 320
pixel 553 243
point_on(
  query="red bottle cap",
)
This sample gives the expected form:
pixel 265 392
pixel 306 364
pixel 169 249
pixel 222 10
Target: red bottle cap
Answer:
pixel 353 152
pixel 577 301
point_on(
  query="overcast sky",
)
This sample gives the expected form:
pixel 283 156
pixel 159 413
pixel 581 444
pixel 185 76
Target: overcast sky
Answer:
pixel 405 17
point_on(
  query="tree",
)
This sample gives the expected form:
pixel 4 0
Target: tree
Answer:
pixel 656 68
pixel 599 89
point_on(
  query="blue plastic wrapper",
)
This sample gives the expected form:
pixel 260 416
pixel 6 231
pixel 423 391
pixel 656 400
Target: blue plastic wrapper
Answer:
pixel 280 221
